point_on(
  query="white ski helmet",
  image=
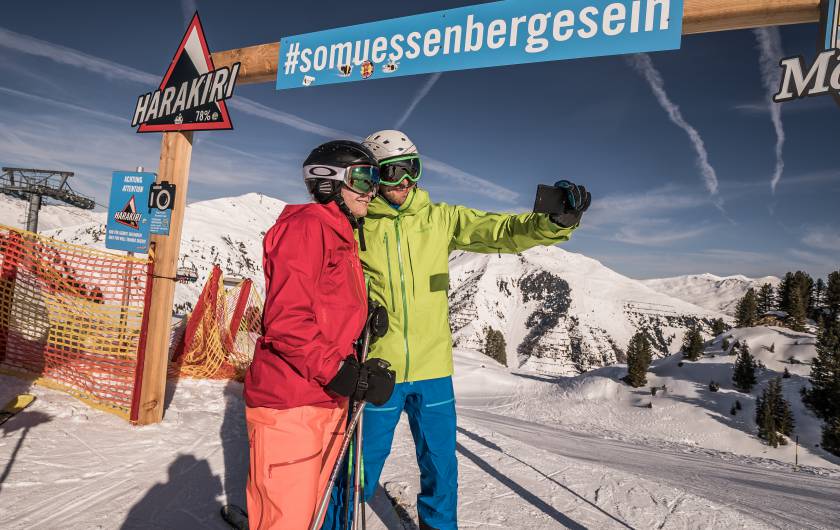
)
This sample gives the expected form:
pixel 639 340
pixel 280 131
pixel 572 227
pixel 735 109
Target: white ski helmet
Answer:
pixel 388 144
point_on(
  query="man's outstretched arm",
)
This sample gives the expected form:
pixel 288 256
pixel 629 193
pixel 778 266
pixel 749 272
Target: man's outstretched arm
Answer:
pixel 479 231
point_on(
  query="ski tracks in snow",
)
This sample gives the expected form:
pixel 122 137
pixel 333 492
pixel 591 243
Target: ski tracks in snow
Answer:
pixel 681 489
pixel 505 482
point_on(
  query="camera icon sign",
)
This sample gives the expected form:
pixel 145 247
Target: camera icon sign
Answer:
pixel 162 196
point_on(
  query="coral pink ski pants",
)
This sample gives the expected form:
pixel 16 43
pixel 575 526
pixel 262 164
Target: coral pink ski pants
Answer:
pixel 292 453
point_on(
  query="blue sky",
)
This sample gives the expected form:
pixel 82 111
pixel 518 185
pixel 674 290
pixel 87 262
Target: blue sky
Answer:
pixel 678 148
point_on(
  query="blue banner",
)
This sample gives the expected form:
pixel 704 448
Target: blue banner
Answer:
pixel 128 212
pixel 493 34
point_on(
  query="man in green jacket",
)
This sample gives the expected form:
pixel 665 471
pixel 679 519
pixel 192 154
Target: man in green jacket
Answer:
pixel 408 241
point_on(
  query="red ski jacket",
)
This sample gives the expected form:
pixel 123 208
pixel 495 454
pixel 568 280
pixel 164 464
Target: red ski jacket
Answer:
pixel 315 308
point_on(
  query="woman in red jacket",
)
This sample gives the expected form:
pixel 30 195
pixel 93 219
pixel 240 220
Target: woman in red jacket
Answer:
pixel 304 367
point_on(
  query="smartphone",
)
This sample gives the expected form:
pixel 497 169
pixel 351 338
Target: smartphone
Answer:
pixel 549 199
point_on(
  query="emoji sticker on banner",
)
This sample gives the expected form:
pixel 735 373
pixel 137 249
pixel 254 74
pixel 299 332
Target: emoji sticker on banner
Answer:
pixel 308 80
pixel 367 69
pixel 345 70
pixel 390 66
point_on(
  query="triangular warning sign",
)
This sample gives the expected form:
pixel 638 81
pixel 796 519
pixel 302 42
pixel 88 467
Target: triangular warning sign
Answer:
pixel 128 216
pixel 191 61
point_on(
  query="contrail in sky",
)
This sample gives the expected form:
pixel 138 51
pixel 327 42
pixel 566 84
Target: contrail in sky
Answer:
pixel 643 64
pixel 418 97
pixel 770 48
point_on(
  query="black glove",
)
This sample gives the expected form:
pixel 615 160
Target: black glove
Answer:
pixel 371 381
pixel 577 201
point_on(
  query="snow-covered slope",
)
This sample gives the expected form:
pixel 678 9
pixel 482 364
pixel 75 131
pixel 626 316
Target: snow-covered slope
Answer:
pixel 226 231
pixel 685 411
pixel 561 313
pixel 69 466
pixel 707 290
pixel 13 213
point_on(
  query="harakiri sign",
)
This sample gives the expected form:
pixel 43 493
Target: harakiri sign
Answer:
pixel 493 34
pixel 192 95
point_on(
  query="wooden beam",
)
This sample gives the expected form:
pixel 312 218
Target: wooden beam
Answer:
pixel 175 156
pixel 704 16
pixel 259 63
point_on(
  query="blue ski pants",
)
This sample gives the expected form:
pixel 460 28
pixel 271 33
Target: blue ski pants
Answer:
pixel 430 407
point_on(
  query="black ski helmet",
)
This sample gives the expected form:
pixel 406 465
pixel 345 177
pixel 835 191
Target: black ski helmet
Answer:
pixel 323 169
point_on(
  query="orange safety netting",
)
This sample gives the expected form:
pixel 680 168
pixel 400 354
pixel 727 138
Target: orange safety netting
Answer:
pixel 221 332
pixel 71 317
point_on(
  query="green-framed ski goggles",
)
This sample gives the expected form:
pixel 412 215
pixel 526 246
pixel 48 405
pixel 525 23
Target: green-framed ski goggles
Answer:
pixel 394 170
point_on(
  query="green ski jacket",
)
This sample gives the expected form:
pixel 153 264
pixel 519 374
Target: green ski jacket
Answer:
pixel 406 265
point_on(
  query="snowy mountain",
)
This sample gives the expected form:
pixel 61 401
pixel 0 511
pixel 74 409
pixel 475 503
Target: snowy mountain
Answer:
pixel 707 290
pixel 561 313
pixel 13 213
pixel 226 231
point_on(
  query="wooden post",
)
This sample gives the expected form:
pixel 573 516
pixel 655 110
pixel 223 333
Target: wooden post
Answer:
pixel 175 154
pixel 259 62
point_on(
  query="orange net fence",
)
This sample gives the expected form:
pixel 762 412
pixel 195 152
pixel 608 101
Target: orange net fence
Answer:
pixel 71 317
pixel 221 332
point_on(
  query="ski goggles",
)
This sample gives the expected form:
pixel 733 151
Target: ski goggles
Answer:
pixel 397 169
pixel 362 179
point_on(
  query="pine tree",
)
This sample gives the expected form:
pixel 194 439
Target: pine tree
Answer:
pixel 824 395
pixel 783 292
pixel 797 311
pixel 718 327
pixel 743 375
pixel 747 311
pixel 805 285
pixel 495 346
pixel 832 295
pixel 782 415
pixel 724 345
pixel 819 291
pixel 692 345
pixel 766 420
pixel 831 436
pixel 796 282
pixel 639 355
pixel 773 414
pixel 766 299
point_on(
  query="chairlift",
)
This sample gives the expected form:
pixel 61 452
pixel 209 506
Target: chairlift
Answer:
pixel 187 274
pixel 232 281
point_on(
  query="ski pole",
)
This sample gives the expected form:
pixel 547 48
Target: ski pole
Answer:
pixel 322 506
pixel 358 464
pixel 348 436
pixel 357 474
